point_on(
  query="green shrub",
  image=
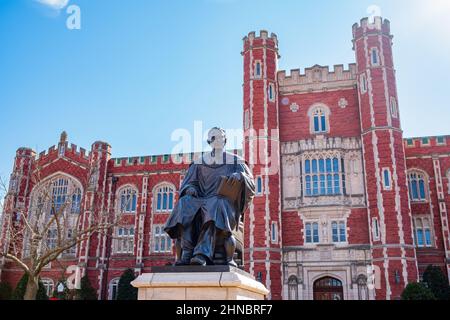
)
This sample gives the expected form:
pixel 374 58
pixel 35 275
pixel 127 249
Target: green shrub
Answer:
pixel 5 291
pixel 126 291
pixel 437 282
pixel 86 292
pixel 417 291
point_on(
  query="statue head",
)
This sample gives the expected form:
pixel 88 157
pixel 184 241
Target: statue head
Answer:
pixel 217 138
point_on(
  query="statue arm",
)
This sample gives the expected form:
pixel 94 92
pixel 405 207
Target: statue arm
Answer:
pixel 248 188
pixel 190 182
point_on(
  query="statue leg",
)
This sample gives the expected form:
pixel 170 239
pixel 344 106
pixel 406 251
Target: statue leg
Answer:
pixel 178 251
pixel 204 250
pixel 230 249
pixel 185 245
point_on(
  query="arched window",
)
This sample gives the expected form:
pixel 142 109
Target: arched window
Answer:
pixel 128 200
pixel 328 289
pixel 164 198
pixel 76 202
pixel 293 288
pixel 319 119
pixel 363 291
pixel 113 289
pixel 59 195
pixel 417 186
pixel 323 176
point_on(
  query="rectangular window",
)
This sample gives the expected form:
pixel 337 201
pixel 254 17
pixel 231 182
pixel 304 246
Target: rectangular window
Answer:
pixel 274 232
pixel 387 184
pixel 394 109
pixel 425 141
pixel 271 92
pixel 342 232
pixel 410 142
pixel 52 239
pixel 375 229
pixel 423 234
pixel 338 231
pixel 440 140
pixel 124 242
pixel 335 231
pixel 363 83
pixel 142 160
pixel 258 69
pixel 308 233
pixel 419 237
pixel 312 232
pixel 375 58
pixel 154 159
pixel 323 177
pixel 315 232
pixel 166 158
pixel 259 186
pixel 161 240
pixel 316 124
pixel 428 237
pixel 323 121
pixel 247 119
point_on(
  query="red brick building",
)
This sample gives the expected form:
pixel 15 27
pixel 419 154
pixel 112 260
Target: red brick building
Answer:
pixel 346 208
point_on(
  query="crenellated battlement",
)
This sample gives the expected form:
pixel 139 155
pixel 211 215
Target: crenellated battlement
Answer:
pixel 262 40
pixel 376 26
pixel 263 34
pixel 166 159
pixel 68 150
pixel 317 78
pixel 427 142
pixel 25 152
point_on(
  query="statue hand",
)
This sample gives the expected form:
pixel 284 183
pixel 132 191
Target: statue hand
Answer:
pixel 191 192
pixel 235 177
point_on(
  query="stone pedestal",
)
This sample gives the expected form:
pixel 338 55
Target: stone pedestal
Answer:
pixel 199 283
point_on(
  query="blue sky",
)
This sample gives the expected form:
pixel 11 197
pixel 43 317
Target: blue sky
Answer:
pixel 139 69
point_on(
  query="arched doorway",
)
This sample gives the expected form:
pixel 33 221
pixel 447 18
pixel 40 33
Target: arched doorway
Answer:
pixel 328 289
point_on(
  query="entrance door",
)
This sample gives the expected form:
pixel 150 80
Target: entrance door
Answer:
pixel 328 289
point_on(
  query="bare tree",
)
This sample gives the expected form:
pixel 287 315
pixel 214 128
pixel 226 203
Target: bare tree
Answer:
pixel 59 218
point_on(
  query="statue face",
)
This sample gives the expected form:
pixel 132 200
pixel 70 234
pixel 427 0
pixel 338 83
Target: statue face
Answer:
pixel 217 139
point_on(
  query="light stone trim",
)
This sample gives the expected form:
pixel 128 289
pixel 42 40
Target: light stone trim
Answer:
pixel 317 78
pixel 199 286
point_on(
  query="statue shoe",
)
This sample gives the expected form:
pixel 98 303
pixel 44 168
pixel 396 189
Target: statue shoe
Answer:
pixel 185 259
pixel 198 260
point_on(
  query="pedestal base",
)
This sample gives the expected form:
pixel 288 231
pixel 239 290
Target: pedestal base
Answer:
pixel 199 283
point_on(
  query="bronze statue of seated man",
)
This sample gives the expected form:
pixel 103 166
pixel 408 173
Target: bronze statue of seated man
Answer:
pixel 214 194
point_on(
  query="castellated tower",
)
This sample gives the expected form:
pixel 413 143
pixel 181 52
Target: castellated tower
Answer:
pixel 262 151
pixel 17 197
pixel 95 202
pixel 389 211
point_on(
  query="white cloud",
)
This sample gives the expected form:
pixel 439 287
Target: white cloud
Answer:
pixel 54 4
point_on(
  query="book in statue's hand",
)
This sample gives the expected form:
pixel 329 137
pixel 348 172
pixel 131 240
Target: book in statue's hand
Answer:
pixel 230 188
